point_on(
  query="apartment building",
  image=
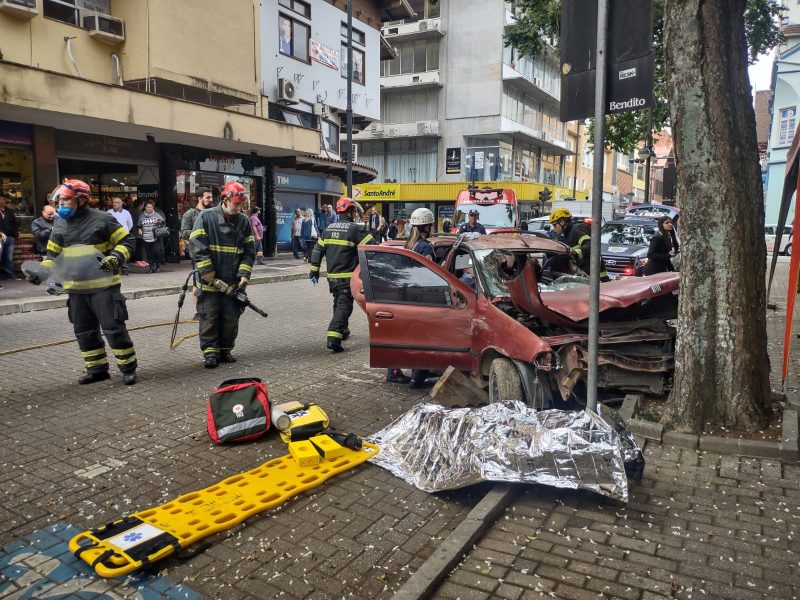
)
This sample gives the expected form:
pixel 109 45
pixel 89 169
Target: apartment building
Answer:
pixel 150 100
pixel 458 106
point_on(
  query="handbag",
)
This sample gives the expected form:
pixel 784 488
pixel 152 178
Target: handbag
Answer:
pixel 162 232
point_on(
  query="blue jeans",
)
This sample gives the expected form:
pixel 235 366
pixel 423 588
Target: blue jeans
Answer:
pixel 7 259
pixel 297 246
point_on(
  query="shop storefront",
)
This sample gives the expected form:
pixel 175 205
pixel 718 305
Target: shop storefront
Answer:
pixel 16 182
pixel 293 191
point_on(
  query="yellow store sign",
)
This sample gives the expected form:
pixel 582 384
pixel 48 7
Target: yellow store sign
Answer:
pixel 373 192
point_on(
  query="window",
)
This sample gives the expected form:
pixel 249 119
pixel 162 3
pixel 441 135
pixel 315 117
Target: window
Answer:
pixel 358 35
pixel 61 10
pixel 398 279
pixel 330 136
pixel 293 38
pixel 298 6
pixel 358 64
pixel 787 125
pixel 416 56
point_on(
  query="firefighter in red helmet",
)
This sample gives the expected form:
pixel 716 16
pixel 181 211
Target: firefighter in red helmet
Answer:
pixel 339 245
pixel 94 301
pixel 224 253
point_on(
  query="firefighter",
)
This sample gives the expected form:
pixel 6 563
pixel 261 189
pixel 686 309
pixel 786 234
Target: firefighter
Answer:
pixel 576 235
pixel 96 302
pixel 224 253
pixel 338 244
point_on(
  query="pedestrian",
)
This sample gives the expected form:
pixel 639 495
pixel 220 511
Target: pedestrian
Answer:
pixel 308 234
pixel 9 230
pixel 383 230
pixel 472 225
pixel 338 244
pixel 42 227
pixel 224 251
pixel 297 226
pixel 330 215
pixel 374 224
pixel 205 200
pixel 391 231
pixel 153 248
pixel 577 236
pixel 124 218
pixel 258 234
pixel 421 222
pixel 663 246
pixel 95 302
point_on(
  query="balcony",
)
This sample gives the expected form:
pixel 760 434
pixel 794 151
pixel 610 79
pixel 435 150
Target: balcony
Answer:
pixel 536 137
pixel 532 87
pixel 379 131
pixel 426 79
pixel 413 30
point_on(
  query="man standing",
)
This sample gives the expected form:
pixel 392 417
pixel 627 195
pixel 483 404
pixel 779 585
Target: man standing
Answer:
pixel 297 230
pixel 9 230
pixel 472 225
pixel 374 224
pixel 338 244
pixel 224 252
pixel 42 227
pixel 95 302
pixel 258 234
pixel 330 216
pixel 124 218
pixel 204 201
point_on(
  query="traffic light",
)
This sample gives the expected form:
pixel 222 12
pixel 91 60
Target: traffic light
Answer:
pixel 545 195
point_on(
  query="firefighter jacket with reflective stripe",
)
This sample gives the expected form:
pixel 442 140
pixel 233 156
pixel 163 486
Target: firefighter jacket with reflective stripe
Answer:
pixel 338 245
pixel 228 248
pixel 89 227
pixel 578 236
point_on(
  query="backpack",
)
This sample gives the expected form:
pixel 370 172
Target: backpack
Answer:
pixel 238 411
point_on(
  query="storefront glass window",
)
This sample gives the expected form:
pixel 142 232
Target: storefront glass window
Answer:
pixel 16 180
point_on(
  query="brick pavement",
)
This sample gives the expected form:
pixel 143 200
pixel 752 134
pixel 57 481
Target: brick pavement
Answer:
pixel 83 455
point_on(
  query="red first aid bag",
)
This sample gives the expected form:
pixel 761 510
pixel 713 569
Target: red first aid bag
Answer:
pixel 238 411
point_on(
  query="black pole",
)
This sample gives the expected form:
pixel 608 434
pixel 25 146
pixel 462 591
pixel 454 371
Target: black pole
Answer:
pixel 575 166
pixel 649 156
pixel 350 98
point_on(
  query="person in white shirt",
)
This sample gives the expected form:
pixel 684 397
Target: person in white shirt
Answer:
pixel 123 217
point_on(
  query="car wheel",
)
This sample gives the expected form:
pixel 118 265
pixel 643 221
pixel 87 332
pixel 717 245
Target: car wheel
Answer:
pixel 788 251
pixel 504 381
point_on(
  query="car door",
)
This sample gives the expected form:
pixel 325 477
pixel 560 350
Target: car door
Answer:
pixel 420 316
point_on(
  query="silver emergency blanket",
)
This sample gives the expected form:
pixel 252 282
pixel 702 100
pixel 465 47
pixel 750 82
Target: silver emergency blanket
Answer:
pixel 74 265
pixel 436 448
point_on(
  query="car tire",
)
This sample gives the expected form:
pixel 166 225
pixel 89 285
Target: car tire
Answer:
pixel 504 381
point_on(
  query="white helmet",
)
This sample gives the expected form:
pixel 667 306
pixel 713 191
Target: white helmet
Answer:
pixel 421 216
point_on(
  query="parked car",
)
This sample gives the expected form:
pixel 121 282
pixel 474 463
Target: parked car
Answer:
pixel 624 245
pixel 653 211
pixel 786 239
pixel 522 329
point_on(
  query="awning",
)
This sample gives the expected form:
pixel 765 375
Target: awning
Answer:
pixel 327 166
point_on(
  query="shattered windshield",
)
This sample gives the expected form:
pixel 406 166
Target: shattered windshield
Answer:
pixel 497 267
pixel 489 215
pixel 628 234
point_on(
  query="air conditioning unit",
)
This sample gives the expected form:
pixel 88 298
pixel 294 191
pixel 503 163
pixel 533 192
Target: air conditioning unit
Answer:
pixel 321 110
pixel 21 9
pixel 104 28
pixel 392 132
pixel 287 91
pixel 423 26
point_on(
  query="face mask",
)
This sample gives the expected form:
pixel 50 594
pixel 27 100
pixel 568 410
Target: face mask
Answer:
pixel 65 212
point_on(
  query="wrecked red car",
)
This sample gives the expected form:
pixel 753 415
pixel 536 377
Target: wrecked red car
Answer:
pixel 504 309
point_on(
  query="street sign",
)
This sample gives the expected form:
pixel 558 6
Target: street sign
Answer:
pixel 629 80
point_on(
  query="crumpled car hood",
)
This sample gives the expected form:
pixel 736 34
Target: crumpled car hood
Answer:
pixel 567 307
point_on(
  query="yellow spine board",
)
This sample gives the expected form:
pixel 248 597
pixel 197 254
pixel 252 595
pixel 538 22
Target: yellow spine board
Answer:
pixel 194 516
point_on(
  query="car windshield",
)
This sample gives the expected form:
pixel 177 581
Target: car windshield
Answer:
pixel 628 234
pixel 489 215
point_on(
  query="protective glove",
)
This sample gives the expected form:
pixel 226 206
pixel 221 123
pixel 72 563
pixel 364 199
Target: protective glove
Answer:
pixel 110 263
pixel 209 277
pixel 314 277
pixel 243 281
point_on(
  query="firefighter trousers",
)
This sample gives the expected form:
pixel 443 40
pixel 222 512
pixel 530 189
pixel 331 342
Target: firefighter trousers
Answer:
pixel 342 309
pixel 106 309
pixel 219 322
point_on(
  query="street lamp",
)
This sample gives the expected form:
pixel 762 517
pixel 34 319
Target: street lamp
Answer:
pixel 644 155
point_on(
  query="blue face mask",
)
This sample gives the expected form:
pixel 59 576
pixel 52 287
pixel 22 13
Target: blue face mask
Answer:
pixel 65 212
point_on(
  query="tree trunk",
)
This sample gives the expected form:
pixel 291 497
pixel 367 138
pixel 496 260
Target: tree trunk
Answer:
pixel 722 366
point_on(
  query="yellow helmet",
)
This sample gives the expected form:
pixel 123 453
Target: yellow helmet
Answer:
pixel 560 213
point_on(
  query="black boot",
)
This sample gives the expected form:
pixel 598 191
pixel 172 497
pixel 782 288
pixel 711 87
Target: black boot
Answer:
pixel 211 361
pixel 345 334
pixel 397 376
pixel 129 378
pixel 93 377
pixel 227 357
pixel 335 346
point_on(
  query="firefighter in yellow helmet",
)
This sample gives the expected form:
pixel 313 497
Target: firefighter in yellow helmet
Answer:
pixel 578 236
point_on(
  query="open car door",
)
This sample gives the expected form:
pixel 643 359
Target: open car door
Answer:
pixel 420 316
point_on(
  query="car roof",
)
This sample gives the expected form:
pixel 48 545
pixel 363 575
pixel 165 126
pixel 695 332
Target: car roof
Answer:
pixel 513 242
pixel 633 221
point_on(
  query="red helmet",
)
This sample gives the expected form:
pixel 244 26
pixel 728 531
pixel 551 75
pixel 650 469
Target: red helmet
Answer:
pixel 344 204
pixel 234 190
pixel 72 188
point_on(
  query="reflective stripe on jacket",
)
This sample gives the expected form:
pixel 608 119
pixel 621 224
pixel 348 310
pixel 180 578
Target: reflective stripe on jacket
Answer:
pixel 338 244
pixel 228 248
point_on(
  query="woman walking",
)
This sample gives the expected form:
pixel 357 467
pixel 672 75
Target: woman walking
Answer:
pixel 153 247
pixel 308 234
pixel 663 246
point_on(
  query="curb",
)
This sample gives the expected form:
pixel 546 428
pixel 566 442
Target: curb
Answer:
pixel 424 582
pixel 60 302
pixel 788 448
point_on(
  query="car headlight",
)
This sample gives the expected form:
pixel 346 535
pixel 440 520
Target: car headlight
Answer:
pixel 642 261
